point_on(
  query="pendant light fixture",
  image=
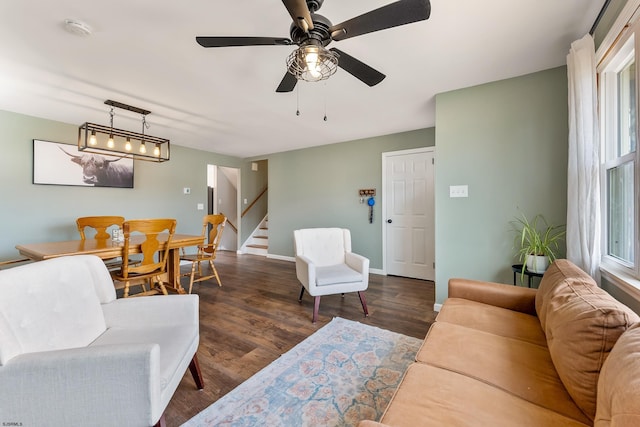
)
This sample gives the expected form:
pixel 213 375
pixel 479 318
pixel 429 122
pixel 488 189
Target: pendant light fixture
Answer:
pixel 94 138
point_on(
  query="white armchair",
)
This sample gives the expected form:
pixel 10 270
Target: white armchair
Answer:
pixel 325 265
pixel 72 354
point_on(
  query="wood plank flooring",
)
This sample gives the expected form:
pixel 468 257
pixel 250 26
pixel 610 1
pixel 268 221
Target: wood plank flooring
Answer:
pixel 255 317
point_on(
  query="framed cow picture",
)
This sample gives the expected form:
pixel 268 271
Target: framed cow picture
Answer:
pixel 63 164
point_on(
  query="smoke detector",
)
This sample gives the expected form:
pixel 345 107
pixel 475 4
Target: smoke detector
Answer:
pixel 76 27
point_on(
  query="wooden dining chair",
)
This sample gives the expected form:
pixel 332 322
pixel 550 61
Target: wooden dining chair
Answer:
pixel 100 225
pixel 154 251
pixel 206 252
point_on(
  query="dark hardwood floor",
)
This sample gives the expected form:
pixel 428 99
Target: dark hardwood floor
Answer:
pixel 255 317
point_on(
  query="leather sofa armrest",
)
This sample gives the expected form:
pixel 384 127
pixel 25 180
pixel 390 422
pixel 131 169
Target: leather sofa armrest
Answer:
pixel 498 294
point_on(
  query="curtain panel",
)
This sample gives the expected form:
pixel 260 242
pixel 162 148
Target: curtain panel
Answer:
pixel 583 180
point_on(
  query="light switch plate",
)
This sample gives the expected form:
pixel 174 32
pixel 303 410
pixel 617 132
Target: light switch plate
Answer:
pixel 458 191
pixel 200 206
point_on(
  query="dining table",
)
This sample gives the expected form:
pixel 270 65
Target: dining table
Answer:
pixel 108 248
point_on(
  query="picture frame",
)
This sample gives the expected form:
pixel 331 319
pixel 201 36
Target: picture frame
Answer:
pixel 55 163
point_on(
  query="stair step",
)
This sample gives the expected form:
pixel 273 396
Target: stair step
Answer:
pixel 258 246
pixel 260 237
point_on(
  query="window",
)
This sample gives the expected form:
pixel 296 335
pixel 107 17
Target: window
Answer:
pixel 618 118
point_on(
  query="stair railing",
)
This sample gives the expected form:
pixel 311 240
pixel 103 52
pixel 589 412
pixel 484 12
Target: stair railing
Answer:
pixel 252 204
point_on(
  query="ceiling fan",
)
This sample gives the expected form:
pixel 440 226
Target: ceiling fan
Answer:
pixel 312 32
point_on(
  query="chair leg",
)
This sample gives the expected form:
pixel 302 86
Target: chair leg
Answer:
pixel 316 307
pixel 363 301
pixel 163 289
pixel 301 293
pixel 126 289
pixel 194 367
pixel 215 272
pixel 193 272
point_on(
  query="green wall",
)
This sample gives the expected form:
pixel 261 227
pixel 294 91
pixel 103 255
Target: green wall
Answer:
pixel 318 187
pixel 507 141
pixel 37 213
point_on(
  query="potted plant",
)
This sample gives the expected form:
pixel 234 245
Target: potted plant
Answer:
pixel 538 241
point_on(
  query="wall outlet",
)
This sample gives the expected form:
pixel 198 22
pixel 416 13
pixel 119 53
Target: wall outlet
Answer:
pixel 186 190
pixel 200 206
pixel 458 191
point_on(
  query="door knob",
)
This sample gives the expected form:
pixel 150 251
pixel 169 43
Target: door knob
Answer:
pixel 389 221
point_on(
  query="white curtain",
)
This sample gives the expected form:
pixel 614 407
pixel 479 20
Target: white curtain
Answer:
pixel 583 179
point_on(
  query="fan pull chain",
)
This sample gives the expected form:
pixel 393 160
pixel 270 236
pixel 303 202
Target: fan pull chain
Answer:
pixel 297 100
pixel 325 100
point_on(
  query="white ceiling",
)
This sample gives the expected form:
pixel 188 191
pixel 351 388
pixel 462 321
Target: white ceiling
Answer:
pixel 143 53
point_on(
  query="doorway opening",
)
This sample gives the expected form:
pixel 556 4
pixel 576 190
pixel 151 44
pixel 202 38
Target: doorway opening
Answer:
pixel 223 198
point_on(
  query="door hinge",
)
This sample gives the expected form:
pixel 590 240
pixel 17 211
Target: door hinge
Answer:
pixel 433 161
pixel 434 265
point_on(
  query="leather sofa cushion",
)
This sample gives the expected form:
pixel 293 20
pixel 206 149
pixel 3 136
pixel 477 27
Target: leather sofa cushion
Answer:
pixel 559 274
pixel 583 322
pixel 432 396
pixel 619 385
pixel 492 319
pixel 518 367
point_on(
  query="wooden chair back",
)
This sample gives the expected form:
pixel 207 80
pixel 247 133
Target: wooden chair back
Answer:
pixel 150 246
pixel 215 224
pixel 100 224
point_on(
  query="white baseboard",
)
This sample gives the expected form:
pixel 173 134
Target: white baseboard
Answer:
pixel 437 307
pixel 377 271
pixel 282 257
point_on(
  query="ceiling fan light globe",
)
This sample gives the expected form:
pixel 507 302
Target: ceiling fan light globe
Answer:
pixel 312 63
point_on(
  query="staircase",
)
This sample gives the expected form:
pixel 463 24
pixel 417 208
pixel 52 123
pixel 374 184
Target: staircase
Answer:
pixel 258 243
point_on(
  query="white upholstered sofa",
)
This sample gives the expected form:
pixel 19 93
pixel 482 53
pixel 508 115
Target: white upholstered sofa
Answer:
pixel 71 354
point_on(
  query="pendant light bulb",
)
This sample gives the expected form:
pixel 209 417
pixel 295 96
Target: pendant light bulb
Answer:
pixel 92 139
pixel 143 147
pixel 110 142
pixel 156 151
pixel 127 145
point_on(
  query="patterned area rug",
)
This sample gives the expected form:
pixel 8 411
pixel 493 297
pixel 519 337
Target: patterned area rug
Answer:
pixel 343 373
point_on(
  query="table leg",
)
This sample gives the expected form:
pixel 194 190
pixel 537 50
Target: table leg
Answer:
pixel 173 270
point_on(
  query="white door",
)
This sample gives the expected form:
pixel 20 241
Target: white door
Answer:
pixel 409 213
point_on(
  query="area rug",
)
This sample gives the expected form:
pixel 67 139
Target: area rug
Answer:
pixel 343 373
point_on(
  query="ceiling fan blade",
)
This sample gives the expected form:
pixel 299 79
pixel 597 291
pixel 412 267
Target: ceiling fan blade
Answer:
pixel 288 83
pixel 242 41
pixel 358 69
pixel 392 15
pixel 300 14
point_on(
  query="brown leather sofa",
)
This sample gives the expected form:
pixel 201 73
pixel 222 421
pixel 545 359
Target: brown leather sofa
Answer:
pixel 566 354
